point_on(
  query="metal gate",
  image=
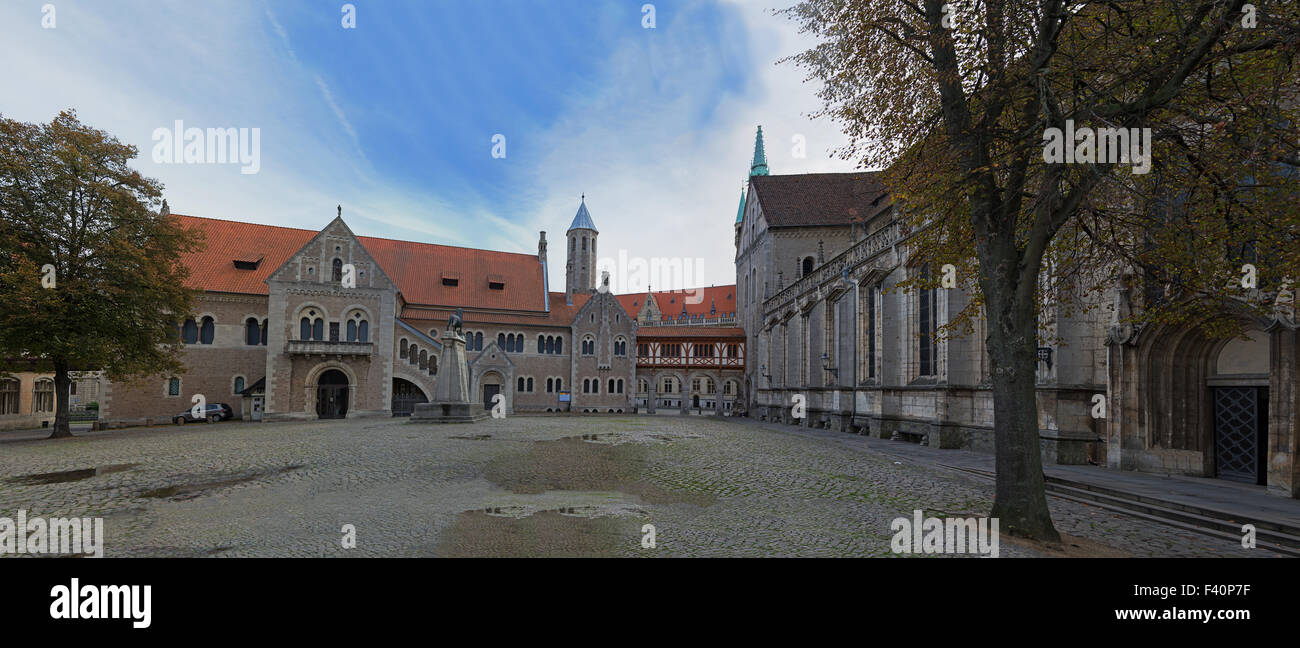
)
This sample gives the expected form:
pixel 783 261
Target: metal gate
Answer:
pixel 405 397
pixel 1239 421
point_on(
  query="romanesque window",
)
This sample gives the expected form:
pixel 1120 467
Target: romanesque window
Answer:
pixel 478 341
pixel 239 384
pixel 530 384
pixel 207 330
pixel 174 387
pixel 338 270
pixel 595 385
pixel 550 344
pixel 550 385
pixel 807 266
pixel 414 354
pixel 190 332
pixel 252 332
pixel 8 396
pixel 521 384
pixel 559 385
pixel 620 347
pixel 586 385
pixel 402 348
pixel 620 385
pixel 358 329
pixel 424 359
pixel 433 365
pixel 541 344
pixel 611 387
pixel 588 346
pixel 43 396
pixel 501 341
pixel 559 345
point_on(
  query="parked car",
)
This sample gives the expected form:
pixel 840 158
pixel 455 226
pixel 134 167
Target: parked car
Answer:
pixel 214 413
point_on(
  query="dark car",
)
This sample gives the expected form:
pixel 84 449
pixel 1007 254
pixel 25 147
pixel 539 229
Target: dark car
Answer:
pixel 214 412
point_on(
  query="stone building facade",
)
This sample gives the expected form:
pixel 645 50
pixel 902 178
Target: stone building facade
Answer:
pixel 818 261
pixel 301 324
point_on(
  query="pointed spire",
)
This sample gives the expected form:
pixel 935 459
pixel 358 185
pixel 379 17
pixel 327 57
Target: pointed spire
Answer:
pixel 582 220
pixel 740 213
pixel 759 165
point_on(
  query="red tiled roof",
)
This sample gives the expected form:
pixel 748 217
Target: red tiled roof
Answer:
pixel 416 268
pixel 647 332
pixel 819 199
pixel 721 298
pixel 213 267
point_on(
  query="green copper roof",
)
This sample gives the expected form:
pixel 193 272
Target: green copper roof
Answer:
pixel 740 213
pixel 759 165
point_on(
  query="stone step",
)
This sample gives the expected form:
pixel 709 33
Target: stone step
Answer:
pixel 1270 534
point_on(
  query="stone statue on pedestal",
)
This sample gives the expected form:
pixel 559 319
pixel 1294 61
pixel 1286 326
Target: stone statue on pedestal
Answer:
pixel 451 402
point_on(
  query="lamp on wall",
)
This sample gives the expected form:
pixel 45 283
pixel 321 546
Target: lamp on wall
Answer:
pixel 826 365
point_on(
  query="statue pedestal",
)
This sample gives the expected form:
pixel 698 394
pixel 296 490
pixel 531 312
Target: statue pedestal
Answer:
pixel 450 402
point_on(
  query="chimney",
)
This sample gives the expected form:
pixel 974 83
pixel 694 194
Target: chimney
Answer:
pixel 541 248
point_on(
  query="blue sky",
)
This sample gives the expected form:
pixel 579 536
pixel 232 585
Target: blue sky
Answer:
pixel 394 119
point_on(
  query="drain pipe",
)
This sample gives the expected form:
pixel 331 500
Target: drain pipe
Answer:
pixel 857 299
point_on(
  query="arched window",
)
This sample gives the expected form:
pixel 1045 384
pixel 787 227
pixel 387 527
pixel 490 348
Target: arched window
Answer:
pixel 174 387
pixel 550 344
pixel 352 331
pixel 586 385
pixel 611 387
pixel 520 386
pixel 559 345
pixel 252 332
pixel 807 266
pixel 530 384
pixel 363 331
pixel 424 359
pixel 239 384
pixel 550 385
pixel 510 343
pixel 304 329
pixel 43 396
pixel 338 270
pixel 478 341
pixel 620 385
pixel 433 365
pixel 318 329
pixel 8 396
pixel 501 341
pixel 402 348
pixel 414 354
pixel 559 384
pixel 207 330
pixel 190 332
pixel 541 344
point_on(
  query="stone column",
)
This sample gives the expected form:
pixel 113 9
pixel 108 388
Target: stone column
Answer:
pixel 1283 405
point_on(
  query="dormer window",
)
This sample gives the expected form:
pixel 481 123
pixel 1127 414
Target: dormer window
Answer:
pixel 248 261
pixel 450 279
pixel 496 282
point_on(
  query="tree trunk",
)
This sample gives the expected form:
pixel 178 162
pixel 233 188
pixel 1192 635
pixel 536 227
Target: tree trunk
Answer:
pixel 61 382
pixel 1020 502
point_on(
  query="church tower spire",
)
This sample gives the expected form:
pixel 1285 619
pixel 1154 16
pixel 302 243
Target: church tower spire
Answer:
pixel 579 272
pixel 759 165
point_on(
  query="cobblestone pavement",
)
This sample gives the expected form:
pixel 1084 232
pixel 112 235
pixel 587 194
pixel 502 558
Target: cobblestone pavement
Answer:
pixel 524 486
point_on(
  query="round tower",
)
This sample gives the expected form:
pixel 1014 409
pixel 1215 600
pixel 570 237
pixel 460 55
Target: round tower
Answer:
pixel 579 273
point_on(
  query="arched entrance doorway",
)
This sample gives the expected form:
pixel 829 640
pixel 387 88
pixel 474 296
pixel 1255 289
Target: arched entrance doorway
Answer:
pixel 491 382
pixel 406 396
pixel 332 395
pixel 1239 393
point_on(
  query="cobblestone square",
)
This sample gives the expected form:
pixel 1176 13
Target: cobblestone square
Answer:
pixel 521 486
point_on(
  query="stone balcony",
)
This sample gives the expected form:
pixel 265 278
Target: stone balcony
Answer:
pixel 328 348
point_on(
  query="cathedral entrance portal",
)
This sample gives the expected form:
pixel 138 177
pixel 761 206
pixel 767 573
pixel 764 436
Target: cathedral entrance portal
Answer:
pixel 1240 433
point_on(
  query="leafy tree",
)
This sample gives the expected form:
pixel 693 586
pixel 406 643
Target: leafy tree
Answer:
pixel 90 268
pixel 954 99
